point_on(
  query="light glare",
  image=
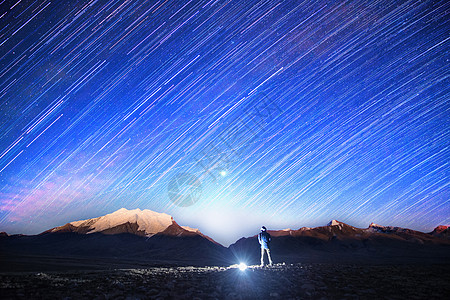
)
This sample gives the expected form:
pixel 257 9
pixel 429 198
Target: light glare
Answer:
pixel 242 266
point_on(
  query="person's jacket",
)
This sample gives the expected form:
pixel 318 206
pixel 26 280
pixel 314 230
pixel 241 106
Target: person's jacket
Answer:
pixel 264 239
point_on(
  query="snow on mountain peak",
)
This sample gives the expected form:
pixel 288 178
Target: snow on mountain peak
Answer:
pixel 148 221
pixel 333 223
pixel 190 229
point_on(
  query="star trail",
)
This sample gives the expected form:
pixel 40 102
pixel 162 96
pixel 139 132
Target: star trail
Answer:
pixel 226 115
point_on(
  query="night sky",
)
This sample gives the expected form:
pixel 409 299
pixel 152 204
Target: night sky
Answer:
pixel 227 115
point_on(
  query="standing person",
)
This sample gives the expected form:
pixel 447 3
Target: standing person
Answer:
pixel 264 240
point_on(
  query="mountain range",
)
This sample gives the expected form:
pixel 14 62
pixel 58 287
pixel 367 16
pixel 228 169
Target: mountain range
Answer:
pixel 338 242
pixel 131 238
pixel 145 223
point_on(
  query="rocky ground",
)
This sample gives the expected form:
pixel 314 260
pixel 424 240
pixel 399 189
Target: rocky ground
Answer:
pixel 281 281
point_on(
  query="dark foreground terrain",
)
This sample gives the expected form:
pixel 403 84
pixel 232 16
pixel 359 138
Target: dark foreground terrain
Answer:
pixel 282 281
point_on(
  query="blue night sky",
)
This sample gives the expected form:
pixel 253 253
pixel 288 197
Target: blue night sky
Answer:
pixel 226 115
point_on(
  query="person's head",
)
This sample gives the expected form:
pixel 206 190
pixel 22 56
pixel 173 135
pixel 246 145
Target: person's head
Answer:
pixel 263 228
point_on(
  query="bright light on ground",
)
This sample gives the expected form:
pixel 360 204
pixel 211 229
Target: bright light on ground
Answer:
pixel 242 266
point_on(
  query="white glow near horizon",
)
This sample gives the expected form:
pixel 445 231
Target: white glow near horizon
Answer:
pixel 242 266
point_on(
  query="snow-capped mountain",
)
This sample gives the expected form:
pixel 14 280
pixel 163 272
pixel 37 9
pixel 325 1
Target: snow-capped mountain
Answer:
pixel 139 222
pixel 334 223
pixel 334 228
pixel 123 236
pixel 147 237
pixel 136 221
pixel 339 230
pixel 338 240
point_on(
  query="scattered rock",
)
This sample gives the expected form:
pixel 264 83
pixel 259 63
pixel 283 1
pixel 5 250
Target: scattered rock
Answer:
pixel 295 281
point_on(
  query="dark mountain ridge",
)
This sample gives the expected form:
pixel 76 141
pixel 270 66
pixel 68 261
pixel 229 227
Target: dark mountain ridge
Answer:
pixel 130 238
pixel 340 242
pixel 125 237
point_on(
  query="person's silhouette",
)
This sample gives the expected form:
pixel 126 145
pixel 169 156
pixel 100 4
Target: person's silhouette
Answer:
pixel 264 240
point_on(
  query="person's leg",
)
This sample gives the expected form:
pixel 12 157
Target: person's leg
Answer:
pixel 262 256
pixel 268 255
